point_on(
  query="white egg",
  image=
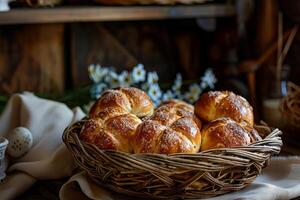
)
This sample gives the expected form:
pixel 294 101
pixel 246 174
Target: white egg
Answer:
pixel 20 142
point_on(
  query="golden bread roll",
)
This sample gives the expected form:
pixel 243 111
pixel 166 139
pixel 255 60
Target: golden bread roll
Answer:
pixel 213 105
pixel 171 129
pixel 122 101
pixel 114 117
pixel 224 132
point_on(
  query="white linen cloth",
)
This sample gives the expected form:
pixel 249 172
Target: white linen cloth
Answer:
pixel 279 181
pixel 48 158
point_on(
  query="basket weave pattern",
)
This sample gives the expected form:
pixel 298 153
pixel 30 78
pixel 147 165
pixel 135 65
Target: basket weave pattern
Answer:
pixel 290 106
pixel 190 176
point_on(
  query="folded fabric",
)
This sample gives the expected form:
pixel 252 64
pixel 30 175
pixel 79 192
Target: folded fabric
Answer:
pixel 279 181
pixel 48 158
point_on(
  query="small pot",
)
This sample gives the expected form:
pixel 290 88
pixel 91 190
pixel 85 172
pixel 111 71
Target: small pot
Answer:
pixel 3 164
pixel 4 5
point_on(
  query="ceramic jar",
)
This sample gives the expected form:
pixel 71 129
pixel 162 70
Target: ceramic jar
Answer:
pixel 3 162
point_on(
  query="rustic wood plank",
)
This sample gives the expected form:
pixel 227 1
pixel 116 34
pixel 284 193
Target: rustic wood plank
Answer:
pixel 179 47
pixel 32 58
pixel 190 53
pixel 113 13
pixel 122 45
pixel 266 34
pixel 92 44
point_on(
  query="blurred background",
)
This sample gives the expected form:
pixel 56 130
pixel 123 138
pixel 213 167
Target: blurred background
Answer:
pixel 252 46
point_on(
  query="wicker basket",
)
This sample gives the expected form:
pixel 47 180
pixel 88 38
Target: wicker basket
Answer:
pixel 177 176
pixel 146 2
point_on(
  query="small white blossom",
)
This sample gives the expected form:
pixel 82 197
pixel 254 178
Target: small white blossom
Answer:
pixel 168 95
pixel 177 83
pixel 203 85
pixel 138 73
pixel 191 98
pixel 154 92
pixel 112 79
pixel 195 89
pixel 97 73
pixel 209 78
pixel 125 79
pixel 152 78
pixel 97 89
pixel 176 88
pixel 193 94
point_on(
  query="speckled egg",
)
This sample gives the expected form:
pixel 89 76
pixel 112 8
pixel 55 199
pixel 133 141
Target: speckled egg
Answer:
pixel 20 142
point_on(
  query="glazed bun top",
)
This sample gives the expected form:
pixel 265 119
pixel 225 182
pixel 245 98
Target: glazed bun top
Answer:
pixel 122 101
pixel 173 128
pixel 215 104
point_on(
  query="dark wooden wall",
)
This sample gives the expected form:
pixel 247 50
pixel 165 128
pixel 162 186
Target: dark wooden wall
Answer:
pixel 167 47
pixel 32 58
pixel 54 57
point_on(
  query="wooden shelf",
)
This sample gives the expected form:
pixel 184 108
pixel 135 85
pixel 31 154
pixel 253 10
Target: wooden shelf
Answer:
pixel 112 13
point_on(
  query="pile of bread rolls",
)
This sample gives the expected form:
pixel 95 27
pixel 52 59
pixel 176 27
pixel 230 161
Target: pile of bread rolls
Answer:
pixel 124 119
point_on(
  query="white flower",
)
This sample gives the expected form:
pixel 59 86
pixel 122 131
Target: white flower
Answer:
pixel 177 85
pixel 125 79
pixel 167 96
pixel 193 94
pixel 209 78
pixel 97 73
pixel 154 92
pixel 112 79
pixel 191 98
pixel 152 78
pixel 203 85
pixel 195 89
pixel 97 89
pixel 138 73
